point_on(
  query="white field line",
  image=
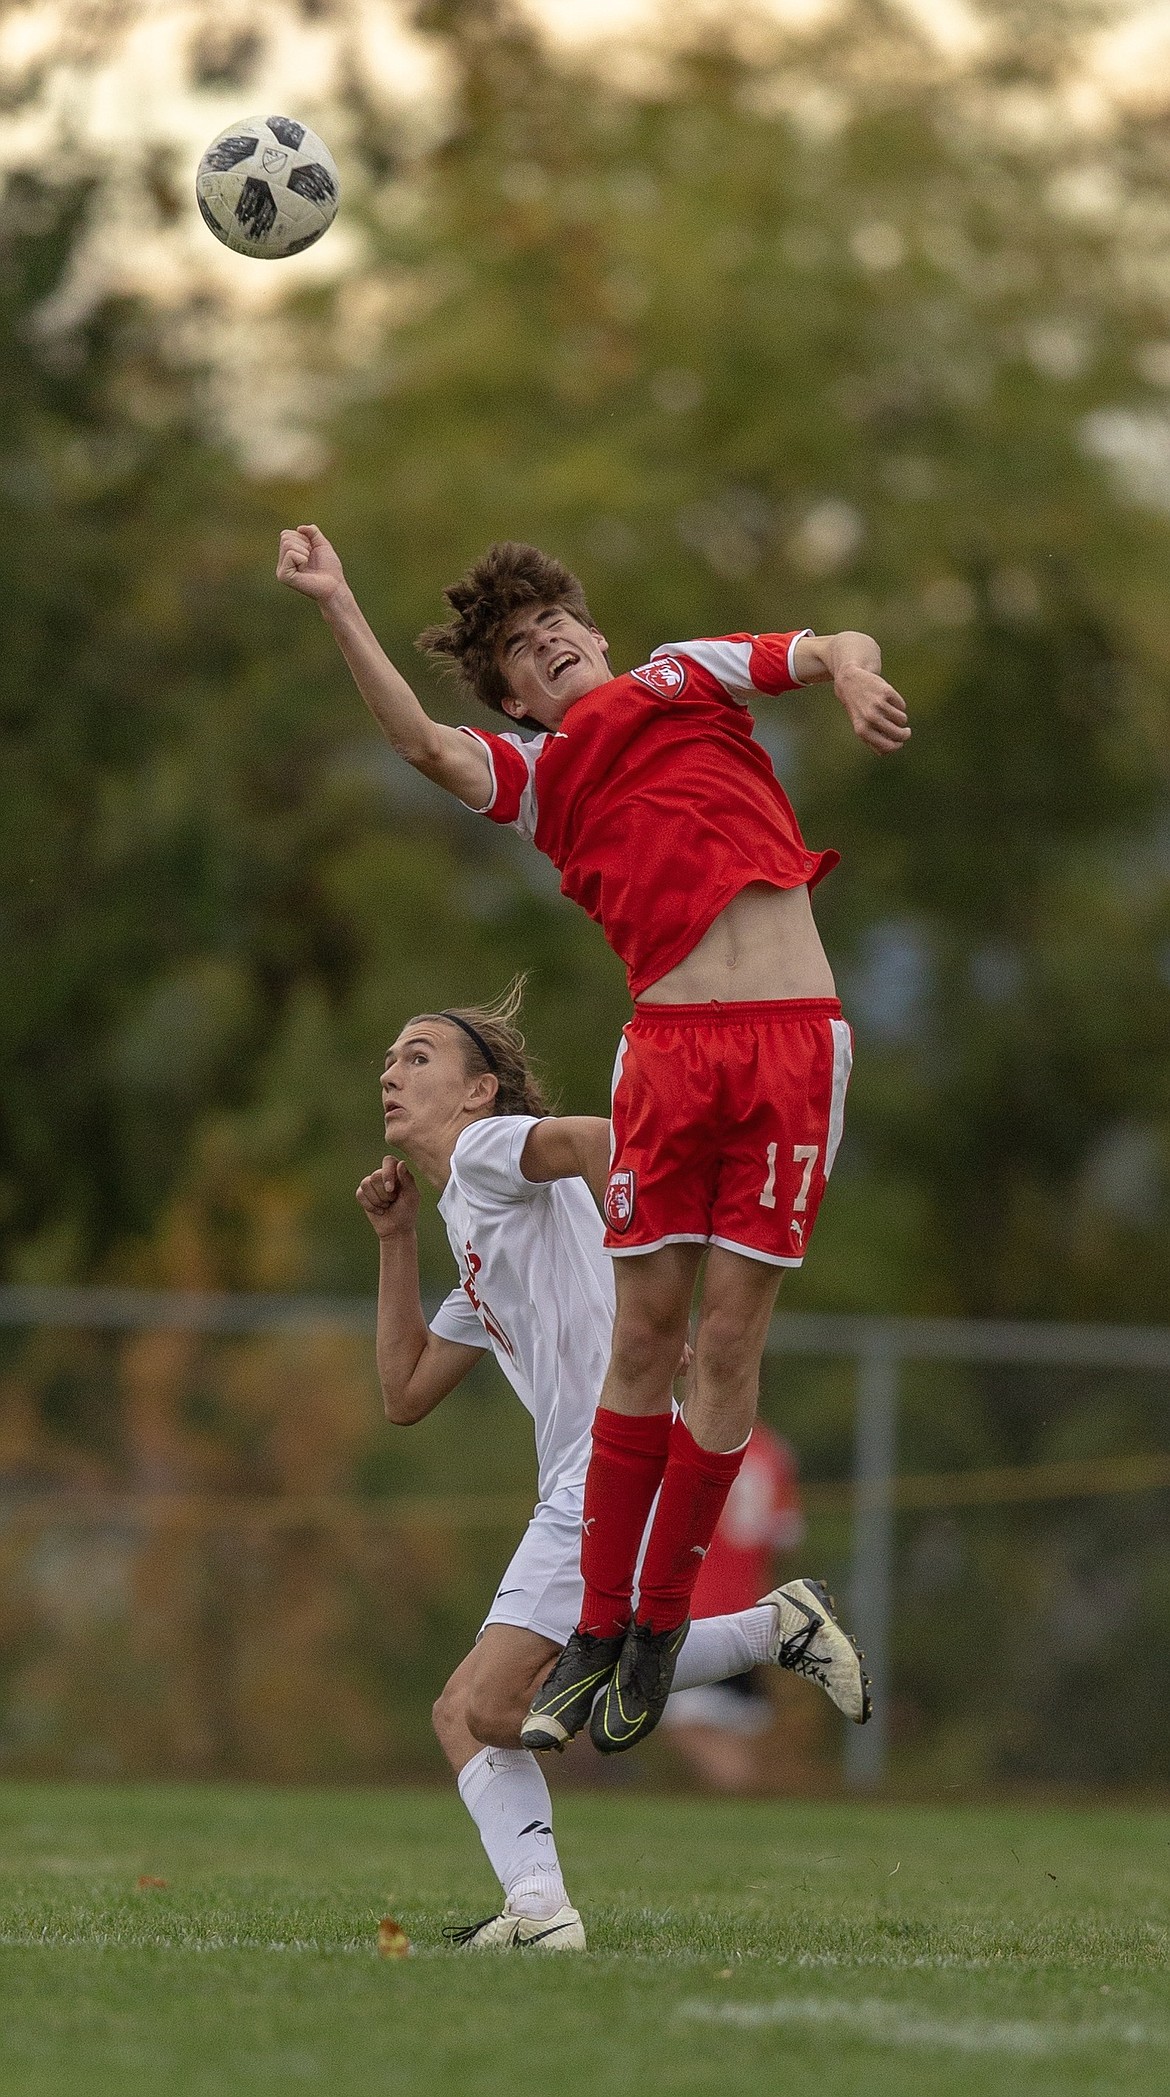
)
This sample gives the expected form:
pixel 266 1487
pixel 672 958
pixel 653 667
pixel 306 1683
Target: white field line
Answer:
pixel 109 1940
pixel 1014 1961
pixel 1018 1957
pixel 888 2024
pixel 903 1961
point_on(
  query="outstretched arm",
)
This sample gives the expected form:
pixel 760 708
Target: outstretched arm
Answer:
pixel 309 565
pixel 569 1146
pixel 852 662
pixel 416 1367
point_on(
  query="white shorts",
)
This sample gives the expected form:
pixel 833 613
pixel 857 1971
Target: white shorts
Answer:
pixel 719 1704
pixel 542 1590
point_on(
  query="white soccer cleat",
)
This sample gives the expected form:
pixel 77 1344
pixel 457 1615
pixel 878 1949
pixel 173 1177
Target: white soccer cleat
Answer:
pixel 808 1640
pixel 563 1931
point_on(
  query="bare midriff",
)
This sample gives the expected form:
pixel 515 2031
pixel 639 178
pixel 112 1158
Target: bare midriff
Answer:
pixel 763 945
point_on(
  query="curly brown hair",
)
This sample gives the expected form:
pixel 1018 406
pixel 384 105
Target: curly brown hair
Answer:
pixel 504 580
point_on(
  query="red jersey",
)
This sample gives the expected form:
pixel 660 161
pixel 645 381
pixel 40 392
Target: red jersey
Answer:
pixel 762 1515
pixel 655 802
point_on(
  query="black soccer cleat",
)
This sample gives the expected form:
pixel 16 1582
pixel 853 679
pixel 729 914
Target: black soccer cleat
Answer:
pixel 635 1698
pixel 561 1707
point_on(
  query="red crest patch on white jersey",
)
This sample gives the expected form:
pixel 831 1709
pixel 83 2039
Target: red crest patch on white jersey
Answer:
pixel 620 1195
pixel 664 675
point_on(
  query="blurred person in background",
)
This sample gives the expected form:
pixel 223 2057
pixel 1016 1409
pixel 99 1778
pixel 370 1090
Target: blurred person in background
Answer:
pixel 717 1727
pixel 462 1105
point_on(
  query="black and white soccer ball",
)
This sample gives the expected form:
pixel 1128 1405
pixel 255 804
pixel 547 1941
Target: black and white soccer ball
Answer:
pixel 267 186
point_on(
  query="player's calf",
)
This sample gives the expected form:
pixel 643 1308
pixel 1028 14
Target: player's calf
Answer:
pixel 496 1710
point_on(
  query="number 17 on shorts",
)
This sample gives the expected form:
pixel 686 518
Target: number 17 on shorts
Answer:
pixel 726 1124
pixel 804 1155
pixel 779 1158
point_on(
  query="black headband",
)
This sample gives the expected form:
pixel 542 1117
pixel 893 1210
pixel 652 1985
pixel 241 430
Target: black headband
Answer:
pixel 475 1036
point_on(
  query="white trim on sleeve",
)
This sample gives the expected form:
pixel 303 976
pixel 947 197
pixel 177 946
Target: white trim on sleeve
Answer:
pixel 805 634
pixel 486 747
pixel 528 813
pixel 528 749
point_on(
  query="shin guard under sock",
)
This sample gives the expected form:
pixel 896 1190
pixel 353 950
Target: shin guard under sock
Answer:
pixel 695 1485
pixel 625 1471
pixel 506 1795
pixel 718 1646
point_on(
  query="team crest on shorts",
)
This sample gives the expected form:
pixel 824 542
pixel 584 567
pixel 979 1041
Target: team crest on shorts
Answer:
pixel 665 675
pixel 620 1195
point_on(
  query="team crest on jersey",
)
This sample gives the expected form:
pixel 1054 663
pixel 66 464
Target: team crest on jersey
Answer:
pixel 620 1196
pixel 665 675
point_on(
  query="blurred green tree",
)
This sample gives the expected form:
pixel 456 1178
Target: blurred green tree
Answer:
pixel 811 334
pixel 794 326
pixel 784 334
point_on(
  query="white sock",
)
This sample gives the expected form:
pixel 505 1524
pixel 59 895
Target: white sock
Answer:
pixel 718 1646
pixel 506 1795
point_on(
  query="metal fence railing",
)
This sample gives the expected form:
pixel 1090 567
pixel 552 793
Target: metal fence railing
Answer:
pixel 880 1351
pixel 881 1348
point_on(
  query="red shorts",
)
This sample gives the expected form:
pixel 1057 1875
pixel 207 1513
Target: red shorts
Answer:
pixel 726 1122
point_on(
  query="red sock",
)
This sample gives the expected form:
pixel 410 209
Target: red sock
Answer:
pixel 695 1485
pixel 625 1471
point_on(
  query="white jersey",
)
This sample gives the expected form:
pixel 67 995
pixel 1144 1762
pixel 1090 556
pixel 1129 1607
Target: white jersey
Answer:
pixel 537 1287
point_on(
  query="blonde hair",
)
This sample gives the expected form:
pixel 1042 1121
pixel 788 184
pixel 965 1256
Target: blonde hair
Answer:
pixel 519 1089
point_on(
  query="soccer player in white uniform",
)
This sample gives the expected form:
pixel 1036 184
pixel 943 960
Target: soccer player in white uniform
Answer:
pixel 536 1289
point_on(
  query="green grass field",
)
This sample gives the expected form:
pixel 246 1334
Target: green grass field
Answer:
pixel 806 1948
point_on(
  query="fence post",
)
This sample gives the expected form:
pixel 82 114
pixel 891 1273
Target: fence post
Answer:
pixel 875 1438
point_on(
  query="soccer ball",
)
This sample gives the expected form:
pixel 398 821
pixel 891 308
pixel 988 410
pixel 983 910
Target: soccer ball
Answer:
pixel 267 186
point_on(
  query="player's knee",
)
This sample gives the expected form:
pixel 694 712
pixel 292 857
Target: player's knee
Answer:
pixel 726 1355
pixel 732 1330
pixel 449 1709
pixel 723 1405
pixel 494 1716
pixel 645 1336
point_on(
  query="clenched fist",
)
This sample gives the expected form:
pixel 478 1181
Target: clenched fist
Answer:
pixel 877 711
pixel 309 564
pixel 389 1197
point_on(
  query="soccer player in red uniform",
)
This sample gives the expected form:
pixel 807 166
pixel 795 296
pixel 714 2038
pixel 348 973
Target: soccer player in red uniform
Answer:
pixel 667 824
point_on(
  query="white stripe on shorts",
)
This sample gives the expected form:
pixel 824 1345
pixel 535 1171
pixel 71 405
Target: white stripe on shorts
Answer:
pixel 615 1081
pixel 842 1065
